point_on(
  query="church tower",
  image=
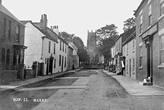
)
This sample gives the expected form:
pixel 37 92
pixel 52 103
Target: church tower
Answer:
pixel 91 46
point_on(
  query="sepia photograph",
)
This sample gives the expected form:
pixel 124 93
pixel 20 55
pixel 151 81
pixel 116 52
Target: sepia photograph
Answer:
pixel 81 54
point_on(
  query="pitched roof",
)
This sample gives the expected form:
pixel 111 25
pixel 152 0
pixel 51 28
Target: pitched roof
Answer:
pixel 133 35
pixel 8 13
pixel 139 7
pixel 37 25
pixel 62 39
pixel 48 35
pixel 126 34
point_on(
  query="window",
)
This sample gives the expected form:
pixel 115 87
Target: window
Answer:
pixel 9 29
pixel 63 46
pixel 54 63
pixel 49 49
pixel 8 59
pixel 45 60
pixel 59 60
pixel 127 49
pixel 133 45
pixel 141 23
pixel 54 48
pixel 140 59
pixel 18 33
pixel 162 8
pixel 4 29
pixel 149 1
pixel 133 64
pixel 127 67
pixel 60 44
pixel 150 16
pixel 65 62
pixel 162 50
pixel 3 58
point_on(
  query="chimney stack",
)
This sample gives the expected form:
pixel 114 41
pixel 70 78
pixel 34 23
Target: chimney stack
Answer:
pixel 55 29
pixel 43 22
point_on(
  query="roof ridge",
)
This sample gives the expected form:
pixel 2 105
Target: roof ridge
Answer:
pixel 8 13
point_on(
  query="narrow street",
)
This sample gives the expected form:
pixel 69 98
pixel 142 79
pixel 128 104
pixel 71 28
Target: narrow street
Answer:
pixel 87 89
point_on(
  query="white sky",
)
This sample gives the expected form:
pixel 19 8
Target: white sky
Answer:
pixel 75 16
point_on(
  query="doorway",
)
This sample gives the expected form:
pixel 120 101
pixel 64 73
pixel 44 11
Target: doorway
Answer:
pixel 149 45
pixel 62 63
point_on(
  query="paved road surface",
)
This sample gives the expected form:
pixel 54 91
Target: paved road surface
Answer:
pixel 83 90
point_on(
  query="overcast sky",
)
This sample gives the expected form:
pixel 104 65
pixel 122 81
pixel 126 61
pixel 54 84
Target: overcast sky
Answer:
pixel 75 16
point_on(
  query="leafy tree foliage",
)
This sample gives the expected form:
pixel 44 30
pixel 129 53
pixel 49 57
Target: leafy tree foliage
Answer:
pixel 66 36
pixel 106 36
pixel 128 24
pixel 82 53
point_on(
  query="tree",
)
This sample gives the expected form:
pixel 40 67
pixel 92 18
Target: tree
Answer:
pixel 106 36
pixel 82 53
pixel 66 36
pixel 128 24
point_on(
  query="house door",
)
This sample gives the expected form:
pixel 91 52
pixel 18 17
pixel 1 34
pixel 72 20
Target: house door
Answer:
pixel 51 65
pixel 47 67
pixel 62 63
pixel 148 43
pixel 129 67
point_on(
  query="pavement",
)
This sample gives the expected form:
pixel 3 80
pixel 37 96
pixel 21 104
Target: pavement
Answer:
pixel 133 87
pixel 21 83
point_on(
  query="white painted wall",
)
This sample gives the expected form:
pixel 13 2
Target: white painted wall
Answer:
pixel 129 53
pixel 33 40
pixel 47 54
pixel 62 53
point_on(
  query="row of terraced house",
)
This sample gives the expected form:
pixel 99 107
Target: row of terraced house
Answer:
pixel 139 53
pixel 28 45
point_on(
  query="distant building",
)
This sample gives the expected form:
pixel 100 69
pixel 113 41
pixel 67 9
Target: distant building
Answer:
pixel 74 57
pixel 11 46
pixel 91 46
pixel 112 62
pixel 150 41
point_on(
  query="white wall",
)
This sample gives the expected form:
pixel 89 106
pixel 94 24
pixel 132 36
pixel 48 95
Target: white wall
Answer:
pixel 130 55
pixel 33 40
pixel 46 54
pixel 64 54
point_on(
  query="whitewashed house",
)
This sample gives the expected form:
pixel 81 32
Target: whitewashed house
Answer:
pixel 42 46
pixel 62 51
pixel 129 52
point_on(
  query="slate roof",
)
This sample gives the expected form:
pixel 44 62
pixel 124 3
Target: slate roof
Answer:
pixel 133 35
pixel 8 13
pixel 47 34
pixel 125 35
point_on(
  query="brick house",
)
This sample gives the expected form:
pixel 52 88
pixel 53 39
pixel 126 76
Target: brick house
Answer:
pixel 11 46
pixel 150 41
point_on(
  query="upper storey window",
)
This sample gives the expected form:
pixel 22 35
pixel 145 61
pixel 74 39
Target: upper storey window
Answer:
pixel 149 1
pixel 150 15
pixel 162 7
pixel 141 23
pixel 18 33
